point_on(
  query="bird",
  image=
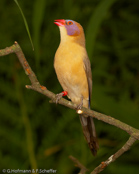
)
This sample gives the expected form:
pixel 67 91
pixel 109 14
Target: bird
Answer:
pixel 73 70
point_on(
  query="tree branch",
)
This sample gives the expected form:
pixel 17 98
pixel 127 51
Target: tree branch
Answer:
pixel 35 85
pixel 113 157
pixel 79 165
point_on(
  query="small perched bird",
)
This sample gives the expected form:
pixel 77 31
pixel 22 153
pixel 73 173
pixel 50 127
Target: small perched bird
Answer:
pixel 73 71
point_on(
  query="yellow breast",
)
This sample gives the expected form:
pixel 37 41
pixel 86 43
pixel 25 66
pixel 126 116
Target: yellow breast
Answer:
pixel 69 67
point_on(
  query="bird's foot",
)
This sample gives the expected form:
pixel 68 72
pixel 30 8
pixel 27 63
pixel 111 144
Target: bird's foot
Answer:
pixel 79 107
pixel 60 95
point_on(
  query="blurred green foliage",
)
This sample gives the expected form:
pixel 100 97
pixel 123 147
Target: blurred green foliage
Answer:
pixel 37 134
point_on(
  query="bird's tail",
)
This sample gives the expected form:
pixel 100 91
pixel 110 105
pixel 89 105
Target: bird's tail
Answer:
pixel 89 133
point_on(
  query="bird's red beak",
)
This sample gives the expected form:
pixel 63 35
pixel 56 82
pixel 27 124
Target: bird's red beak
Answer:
pixel 59 22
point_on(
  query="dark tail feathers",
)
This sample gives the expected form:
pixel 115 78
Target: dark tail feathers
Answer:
pixel 89 133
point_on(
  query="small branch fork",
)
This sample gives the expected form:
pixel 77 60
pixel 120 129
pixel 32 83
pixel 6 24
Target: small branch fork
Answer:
pixel 83 169
pixel 113 157
pixel 35 85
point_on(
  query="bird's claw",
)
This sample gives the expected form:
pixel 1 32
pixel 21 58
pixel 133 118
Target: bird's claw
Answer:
pixel 60 95
pixel 79 107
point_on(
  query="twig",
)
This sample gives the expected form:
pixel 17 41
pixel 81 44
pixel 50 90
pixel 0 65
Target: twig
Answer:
pixel 35 85
pixel 112 158
pixel 79 165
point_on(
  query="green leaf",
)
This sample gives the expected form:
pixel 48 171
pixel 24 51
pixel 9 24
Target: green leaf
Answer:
pixel 25 22
pixel 38 16
pixel 95 22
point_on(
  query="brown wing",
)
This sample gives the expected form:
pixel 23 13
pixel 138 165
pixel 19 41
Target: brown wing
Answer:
pixel 87 67
pixel 88 123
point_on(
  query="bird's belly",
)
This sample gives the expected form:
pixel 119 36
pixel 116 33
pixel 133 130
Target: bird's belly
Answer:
pixel 72 77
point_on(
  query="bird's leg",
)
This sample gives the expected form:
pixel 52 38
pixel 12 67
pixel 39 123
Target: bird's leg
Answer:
pixel 60 95
pixel 80 105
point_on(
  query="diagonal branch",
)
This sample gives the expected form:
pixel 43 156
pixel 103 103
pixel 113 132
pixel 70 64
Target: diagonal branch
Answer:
pixel 35 85
pixel 113 157
pixel 83 169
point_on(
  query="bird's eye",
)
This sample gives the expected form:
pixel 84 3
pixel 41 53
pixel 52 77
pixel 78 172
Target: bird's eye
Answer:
pixel 70 23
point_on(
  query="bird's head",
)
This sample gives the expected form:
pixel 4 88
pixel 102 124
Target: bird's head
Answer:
pixel 70 30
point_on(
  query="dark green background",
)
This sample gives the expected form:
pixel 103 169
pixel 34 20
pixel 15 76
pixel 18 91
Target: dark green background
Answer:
pixel 35 133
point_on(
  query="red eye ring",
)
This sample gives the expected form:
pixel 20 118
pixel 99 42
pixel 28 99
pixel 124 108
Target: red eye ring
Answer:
pixel 69 23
